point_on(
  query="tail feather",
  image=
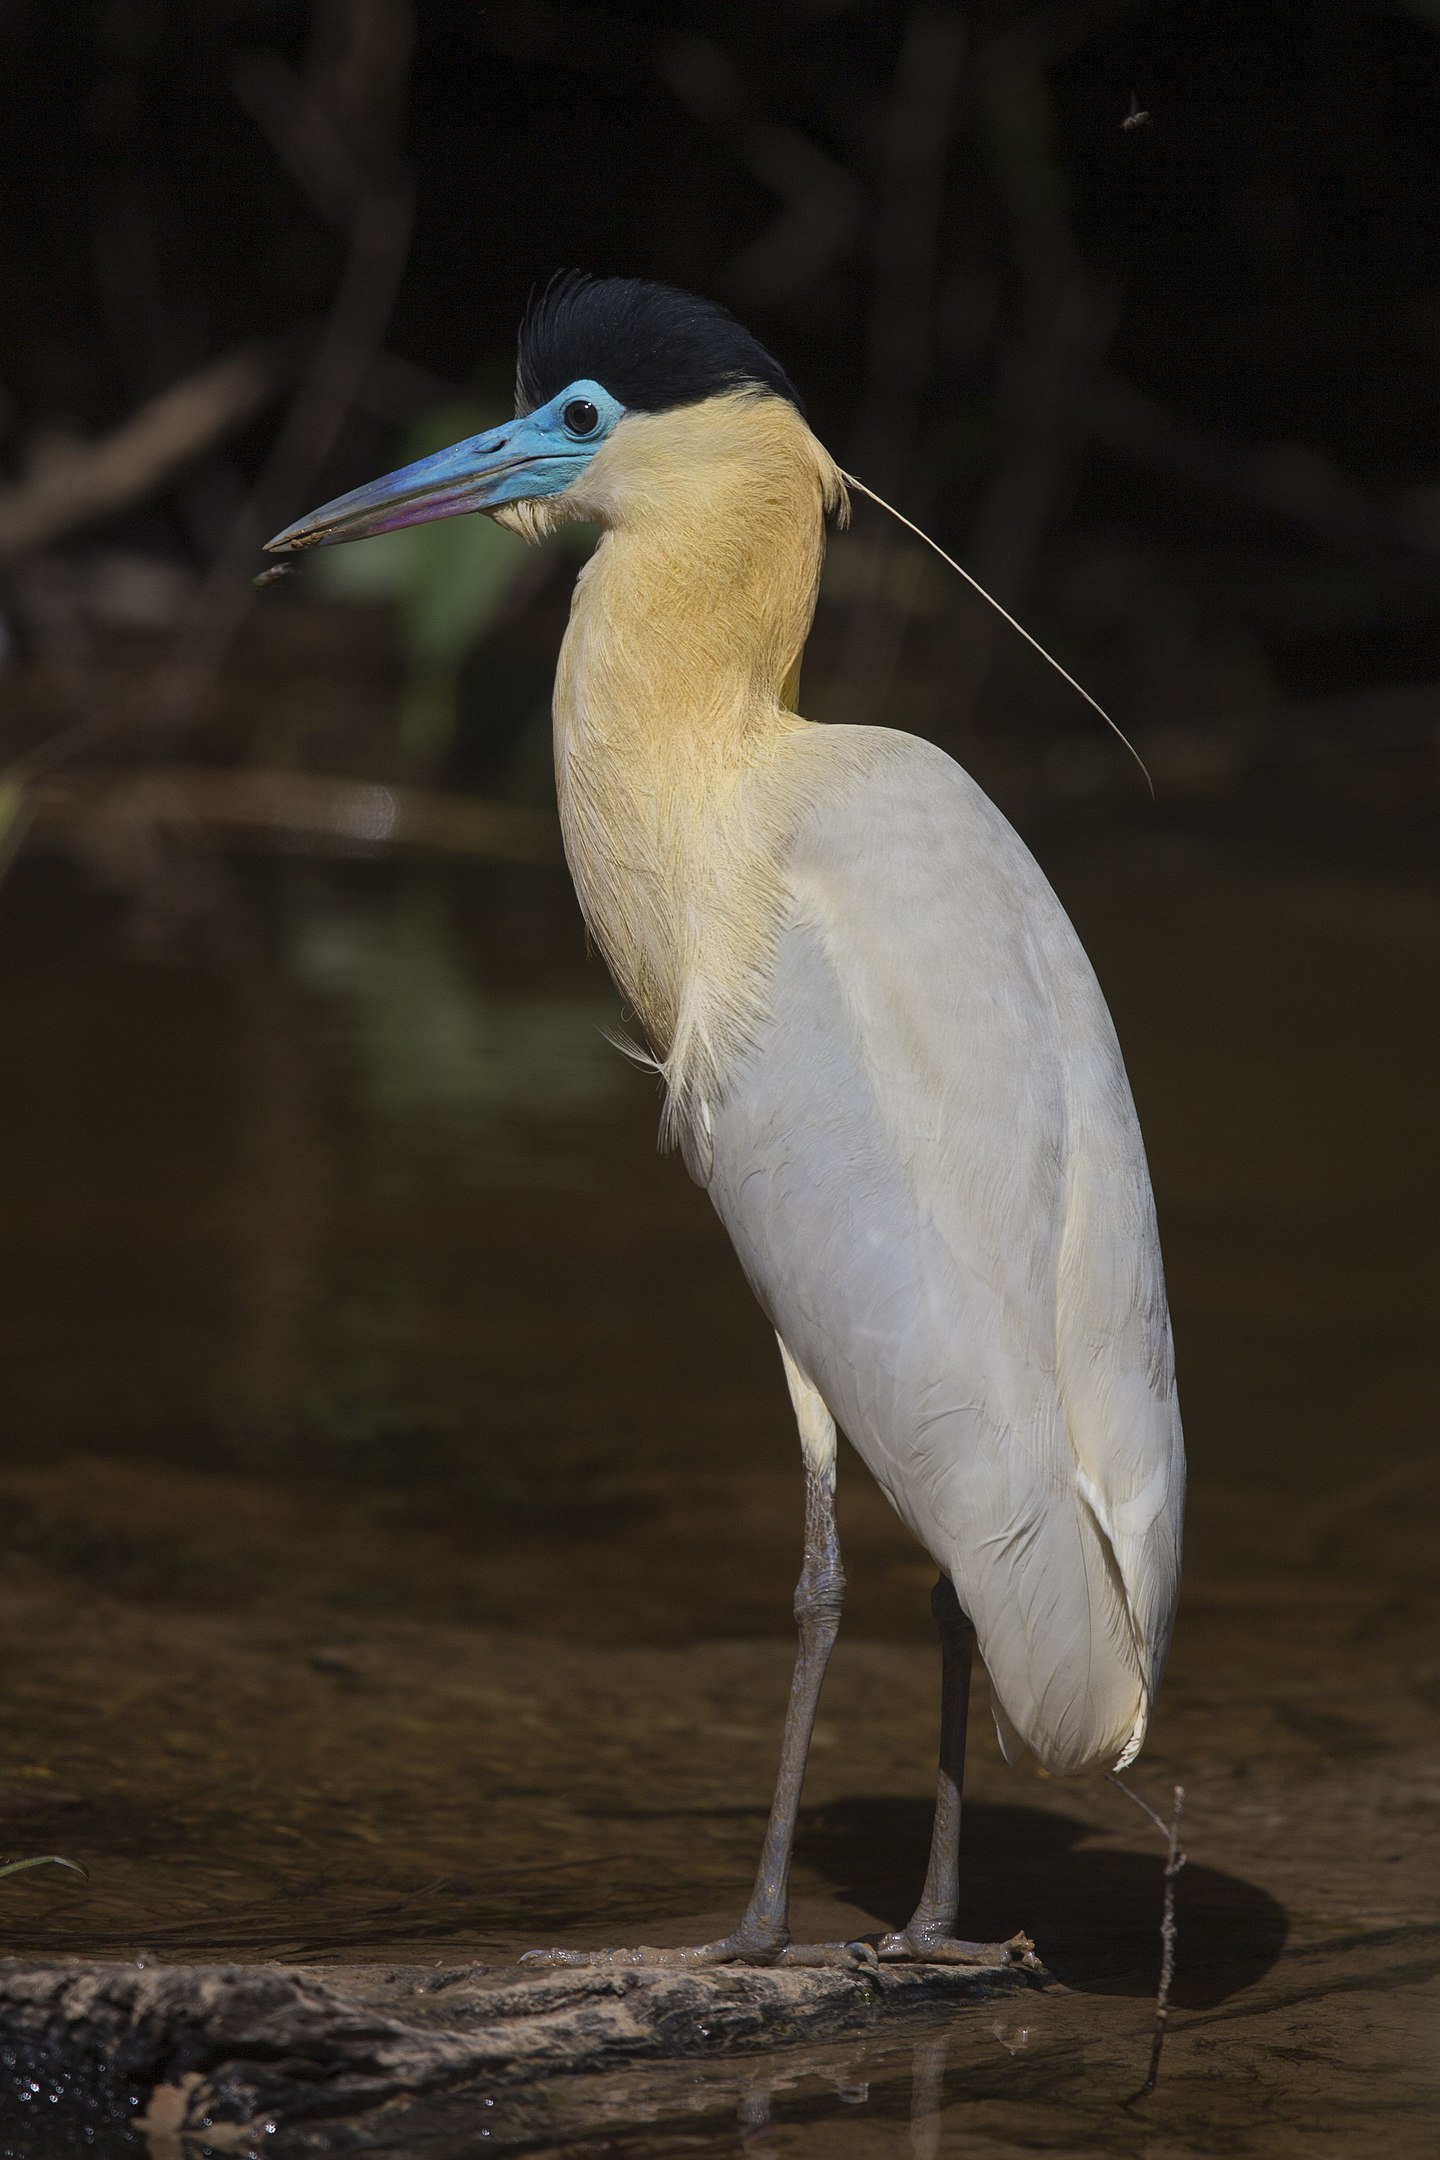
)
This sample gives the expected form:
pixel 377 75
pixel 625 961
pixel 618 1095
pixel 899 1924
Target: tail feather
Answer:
pixel 1068 1678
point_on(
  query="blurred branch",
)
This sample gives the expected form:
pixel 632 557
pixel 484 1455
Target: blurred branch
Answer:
pixel 15 813
pixel 358 42
pixel 377 198
pixel 322 808
pixel 910 139
pixel 822 202
pixel 1066 323
pixel 336 376
pixel 912 143
pixel 302 134
pixel 70 483
pixel 1047 35
pixel 358 65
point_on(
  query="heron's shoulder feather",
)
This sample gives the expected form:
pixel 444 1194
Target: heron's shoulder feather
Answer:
pixel 933 1171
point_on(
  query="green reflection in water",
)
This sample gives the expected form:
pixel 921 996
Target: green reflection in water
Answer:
pixel 442 1062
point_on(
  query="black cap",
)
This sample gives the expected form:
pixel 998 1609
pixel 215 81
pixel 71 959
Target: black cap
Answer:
pixel 651 347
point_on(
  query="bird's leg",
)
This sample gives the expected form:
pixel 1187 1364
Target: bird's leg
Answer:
pixel 929 1934
pixel 765 1929
pixel 934 1916
pixel 763 1935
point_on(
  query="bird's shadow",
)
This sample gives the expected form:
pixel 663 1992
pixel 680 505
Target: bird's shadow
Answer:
pixel 1094 1914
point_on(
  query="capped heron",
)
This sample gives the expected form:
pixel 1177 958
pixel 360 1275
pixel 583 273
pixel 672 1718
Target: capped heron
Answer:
pixel 885 1054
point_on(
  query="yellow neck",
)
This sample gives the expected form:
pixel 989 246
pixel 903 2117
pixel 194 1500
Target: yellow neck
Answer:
pixel 674 703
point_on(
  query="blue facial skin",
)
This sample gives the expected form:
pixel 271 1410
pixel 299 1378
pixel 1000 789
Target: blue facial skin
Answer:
pixel 543 454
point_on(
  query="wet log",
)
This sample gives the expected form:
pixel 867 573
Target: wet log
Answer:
pixel 302 2058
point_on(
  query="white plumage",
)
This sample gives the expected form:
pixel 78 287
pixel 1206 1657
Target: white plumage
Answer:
pixel 931 1168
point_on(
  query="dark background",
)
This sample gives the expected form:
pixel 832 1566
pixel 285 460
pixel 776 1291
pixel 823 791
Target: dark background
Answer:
pixel 1169 389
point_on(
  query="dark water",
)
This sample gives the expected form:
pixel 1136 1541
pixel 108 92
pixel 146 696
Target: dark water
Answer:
pixel 399 1503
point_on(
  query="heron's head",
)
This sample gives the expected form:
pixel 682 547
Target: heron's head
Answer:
pixel 624 390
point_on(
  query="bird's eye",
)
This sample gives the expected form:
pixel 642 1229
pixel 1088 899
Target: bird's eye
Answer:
pixel 580 416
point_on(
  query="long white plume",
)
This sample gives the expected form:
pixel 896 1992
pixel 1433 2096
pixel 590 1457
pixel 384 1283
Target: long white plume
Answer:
pixel 851 481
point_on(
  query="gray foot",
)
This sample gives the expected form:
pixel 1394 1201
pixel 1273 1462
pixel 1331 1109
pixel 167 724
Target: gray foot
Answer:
pixel 924 1947
pixel 729 1950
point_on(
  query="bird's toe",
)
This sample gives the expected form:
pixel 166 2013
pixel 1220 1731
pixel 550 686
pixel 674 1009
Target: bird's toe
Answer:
pixel 849 1956
pixel 921 1948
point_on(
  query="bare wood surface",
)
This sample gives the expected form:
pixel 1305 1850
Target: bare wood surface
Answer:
pixel 222 2052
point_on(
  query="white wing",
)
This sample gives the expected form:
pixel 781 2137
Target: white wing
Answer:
pixel 931 1169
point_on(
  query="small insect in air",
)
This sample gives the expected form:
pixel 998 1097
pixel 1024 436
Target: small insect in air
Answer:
pixel 273 575
pixel 1135 117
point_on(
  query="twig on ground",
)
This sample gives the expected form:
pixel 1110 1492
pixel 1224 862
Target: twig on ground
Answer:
pixel 1175 1860
pixel 49 1859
